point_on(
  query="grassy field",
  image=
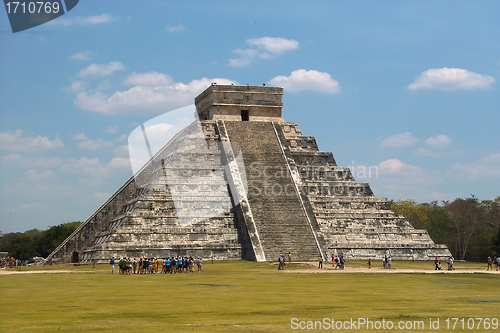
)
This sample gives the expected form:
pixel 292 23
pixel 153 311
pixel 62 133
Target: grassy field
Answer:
pixel 240 297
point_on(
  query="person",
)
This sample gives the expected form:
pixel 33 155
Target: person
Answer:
pixel 281 262
pixel 289 257
pixel 342 261
pixel 439 266
pixel 200 264
pixel 333 259
pixel 451 263
pixel 490 264
pixel 436 262
pixel 112 263
pixel 134 265
pixel 389 262
pixel 369 263
pixel 320 262
pixel 497 263
pixel 129 266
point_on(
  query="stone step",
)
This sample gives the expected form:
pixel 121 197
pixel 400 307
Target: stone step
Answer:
pixel 279 217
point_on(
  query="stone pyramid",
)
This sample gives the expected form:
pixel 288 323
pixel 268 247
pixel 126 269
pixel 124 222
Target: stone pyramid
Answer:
pixel 241 183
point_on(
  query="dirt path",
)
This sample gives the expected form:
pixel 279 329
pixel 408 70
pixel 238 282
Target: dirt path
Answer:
pixel 11 271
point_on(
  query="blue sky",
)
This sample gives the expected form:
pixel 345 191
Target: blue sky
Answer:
pixel 410 89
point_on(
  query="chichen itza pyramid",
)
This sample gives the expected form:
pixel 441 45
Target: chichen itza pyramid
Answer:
pixel 241 183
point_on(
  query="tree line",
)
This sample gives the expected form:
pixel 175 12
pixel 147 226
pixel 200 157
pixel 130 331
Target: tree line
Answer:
pixel 34 242
pixel 469 227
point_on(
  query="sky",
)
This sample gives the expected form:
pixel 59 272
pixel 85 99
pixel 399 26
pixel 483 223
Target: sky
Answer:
pixel 406 90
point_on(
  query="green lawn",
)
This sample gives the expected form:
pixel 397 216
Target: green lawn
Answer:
pixel 238 297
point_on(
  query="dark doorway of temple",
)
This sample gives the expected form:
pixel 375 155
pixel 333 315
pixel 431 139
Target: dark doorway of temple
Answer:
pixel 75 258
pixel 244 115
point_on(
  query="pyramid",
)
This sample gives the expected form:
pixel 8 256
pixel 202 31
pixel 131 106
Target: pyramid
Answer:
pixel 241 183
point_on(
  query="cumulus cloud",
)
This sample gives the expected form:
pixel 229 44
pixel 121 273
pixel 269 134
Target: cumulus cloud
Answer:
pixel 79 137
pixel 441 141
pixel 395 179
pixel 93 168
pixel 31 161
pixel 240 62
pixel 451 79
pixel 94 70
pixel 82 56
pixel 19 141
pixel 312 80
pixel 95 144
pixel 399 140
pixel 274 45
pixel 148 79
pixel 76 87
pixel 111 129
pixel 264 47
pixel 139 99
pixel 101 196
pixel 121 150
pixel 84 20
pixel 175 28
pixel 428 153
pixel 486 167
pixel 34 175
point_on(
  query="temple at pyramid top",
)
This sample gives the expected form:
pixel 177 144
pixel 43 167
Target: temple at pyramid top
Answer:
pixel 243 103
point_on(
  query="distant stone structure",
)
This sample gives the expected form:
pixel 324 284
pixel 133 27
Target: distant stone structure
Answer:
pixel 288 196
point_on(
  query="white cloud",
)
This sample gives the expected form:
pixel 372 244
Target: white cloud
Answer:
pixel 451 79
pixel 94 168
pixel 94 144
pixel 31 161
pixel 38 176
pixel 441 141
pixel 274 45
pixel 76 87
pixel 141 99
pixel 486 167
pixel 148 79
pixel 84 20
pixel 18 141
pixel 265 48
pixel 79 137
pixel 111 129
pixel 428 153
pixel 120 163
pixel 105 85
pixel 399 140
pixel 82 56
pixel 300 80
pixel 240 62
pixel 247 53
pixel 101 70
pixel 395 179
pixel 101 196
pixel 175 28
pixel 121 150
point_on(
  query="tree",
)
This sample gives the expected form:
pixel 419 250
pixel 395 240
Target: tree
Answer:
pixel 36 243
pixel 417 214
pixel 466 215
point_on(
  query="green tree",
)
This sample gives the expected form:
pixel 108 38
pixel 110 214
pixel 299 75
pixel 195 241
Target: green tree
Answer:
pixel 417 214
